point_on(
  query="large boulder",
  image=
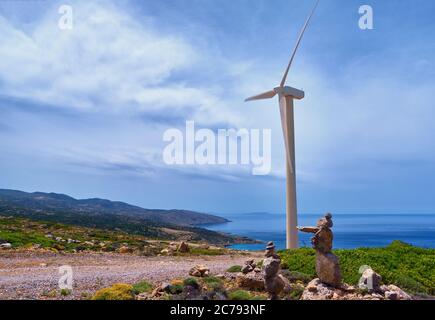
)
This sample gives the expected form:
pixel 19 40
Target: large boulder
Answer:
pixel 250 281
pixel 328 269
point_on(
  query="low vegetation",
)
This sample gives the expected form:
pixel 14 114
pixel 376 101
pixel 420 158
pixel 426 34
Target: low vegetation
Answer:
pixel 240 295
pixel 24 233
pixel 115 216
pixel 119 291
pixel 28 234
pixel 410 268
pixel 141 287
pixel 246 295
pixel 234 269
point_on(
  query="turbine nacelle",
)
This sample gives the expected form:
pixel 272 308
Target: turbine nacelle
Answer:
pixel 283 91
pixel 290 91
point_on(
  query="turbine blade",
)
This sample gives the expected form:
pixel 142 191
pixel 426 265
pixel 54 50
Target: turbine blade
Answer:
pixel 284 78
pixel 265 95
pixel 283 113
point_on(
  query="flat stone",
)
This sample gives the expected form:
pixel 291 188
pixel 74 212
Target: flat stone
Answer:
pixel 328 269
pixel 251 281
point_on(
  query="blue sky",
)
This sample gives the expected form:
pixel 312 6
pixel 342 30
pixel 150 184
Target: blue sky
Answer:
pixel 83 111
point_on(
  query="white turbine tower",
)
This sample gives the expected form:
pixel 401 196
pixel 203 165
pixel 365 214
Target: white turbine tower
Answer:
pixel 286 96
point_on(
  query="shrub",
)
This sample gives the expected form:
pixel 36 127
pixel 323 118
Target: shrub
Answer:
pixel 296 293
pixel 240 295
pixel 50 294
pixel 176 288
pixel 235 268
pixel 142 286
pixel 294 276
pixel 206 252
pixel 119 291
pixel 213 283
pixel 65 292
pixel 191 282
pixel 411 268
pixel 86 296
pixel 211 279
pixel 410 284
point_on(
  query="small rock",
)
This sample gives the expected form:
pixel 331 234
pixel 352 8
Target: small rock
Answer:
pixel 377 296
pixel 402 295
pixel 160 290
pixel 125 249
pixel 199 271
pixel 246 269
pixel 317 290
pixel 391 295
pixel 312 286
pixel 6 245
pixel 144 296
pixel 172 247
pixel 183 247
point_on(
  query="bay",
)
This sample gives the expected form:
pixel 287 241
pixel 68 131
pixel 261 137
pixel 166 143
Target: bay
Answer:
pixel 350 230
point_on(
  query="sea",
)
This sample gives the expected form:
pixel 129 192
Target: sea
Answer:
pixel 350 230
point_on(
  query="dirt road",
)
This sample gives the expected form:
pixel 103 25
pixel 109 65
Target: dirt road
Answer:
pixel 28 275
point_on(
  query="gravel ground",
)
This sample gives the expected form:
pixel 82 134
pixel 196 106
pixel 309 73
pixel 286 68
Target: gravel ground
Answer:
pixel 31 275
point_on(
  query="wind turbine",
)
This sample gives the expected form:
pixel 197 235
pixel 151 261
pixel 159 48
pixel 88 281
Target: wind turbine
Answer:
pixel 286 96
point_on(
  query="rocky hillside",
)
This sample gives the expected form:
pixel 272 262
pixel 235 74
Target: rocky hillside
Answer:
pixel 111 215
pixel 48 202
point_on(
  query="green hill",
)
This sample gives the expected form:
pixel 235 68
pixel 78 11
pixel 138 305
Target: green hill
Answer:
pixel 112 215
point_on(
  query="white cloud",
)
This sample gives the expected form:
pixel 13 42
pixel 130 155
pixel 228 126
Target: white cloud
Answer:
pixel 109 62
pixel 112 64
